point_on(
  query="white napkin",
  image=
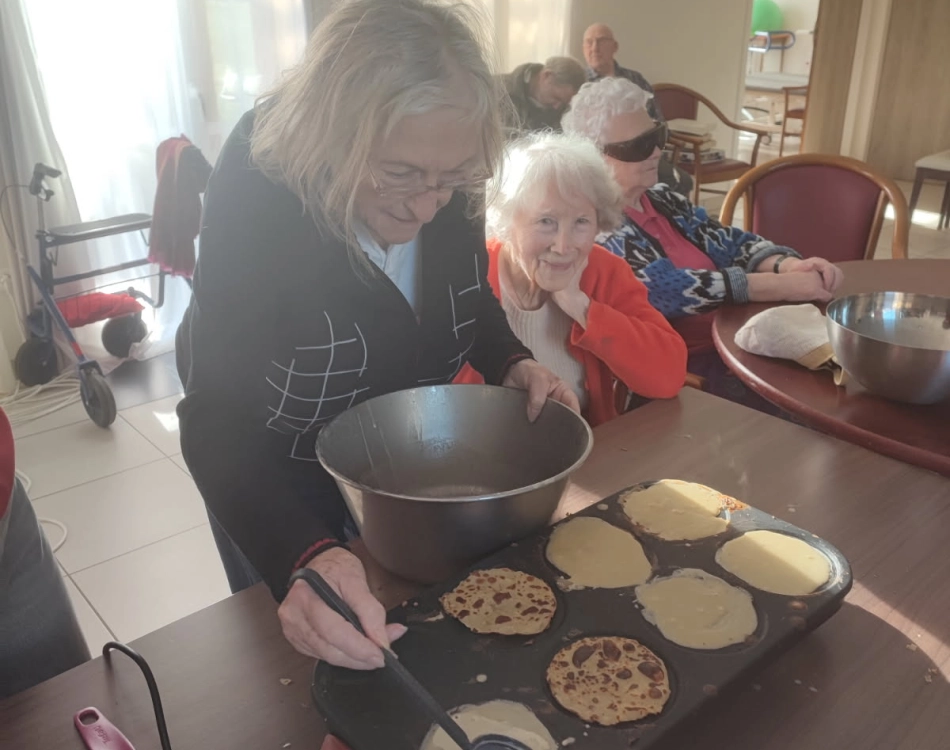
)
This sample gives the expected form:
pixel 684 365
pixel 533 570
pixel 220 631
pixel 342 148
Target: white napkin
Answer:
pixel 795 332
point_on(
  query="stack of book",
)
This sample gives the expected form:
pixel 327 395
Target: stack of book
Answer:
pixel 708 151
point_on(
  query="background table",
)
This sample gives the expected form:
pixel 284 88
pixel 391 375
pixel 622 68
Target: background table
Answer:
pixel 852 683
pixel 917 434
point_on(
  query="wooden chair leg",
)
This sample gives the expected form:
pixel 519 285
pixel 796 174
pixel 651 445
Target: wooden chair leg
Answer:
pixel 781 142
pixel 696 178
pixel 944 221
pixel 915 193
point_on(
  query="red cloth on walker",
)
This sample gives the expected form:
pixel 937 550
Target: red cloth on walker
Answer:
pixel 183 174
pixel 96 306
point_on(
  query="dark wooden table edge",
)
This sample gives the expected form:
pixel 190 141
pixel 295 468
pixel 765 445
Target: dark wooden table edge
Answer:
pixel 842 430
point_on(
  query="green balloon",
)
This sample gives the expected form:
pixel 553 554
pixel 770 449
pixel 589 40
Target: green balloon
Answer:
pixel 766 16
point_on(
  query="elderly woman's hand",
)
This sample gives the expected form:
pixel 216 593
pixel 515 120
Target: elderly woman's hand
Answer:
pixel 541 384
pixel 831 275
pixel 572 300
pixel 316 630
pixel 796 286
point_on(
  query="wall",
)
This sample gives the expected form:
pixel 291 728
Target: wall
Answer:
pixel 912 115
pixel 699 45
pixel 798 16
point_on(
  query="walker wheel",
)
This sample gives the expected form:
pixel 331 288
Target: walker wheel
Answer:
pixel 118 334
pixel 97 397
pixel 36 362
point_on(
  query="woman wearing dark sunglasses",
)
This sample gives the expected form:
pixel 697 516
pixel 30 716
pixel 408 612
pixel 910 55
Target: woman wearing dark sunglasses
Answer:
pixel 690 263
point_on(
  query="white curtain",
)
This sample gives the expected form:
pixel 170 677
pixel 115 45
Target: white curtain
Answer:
pixel 123 75
pixel 26 137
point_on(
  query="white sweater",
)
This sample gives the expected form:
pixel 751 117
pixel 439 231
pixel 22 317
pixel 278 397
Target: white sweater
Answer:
pixel 546 332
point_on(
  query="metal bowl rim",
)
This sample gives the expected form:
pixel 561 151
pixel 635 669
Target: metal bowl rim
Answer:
pixel 462 498
pixel 835 305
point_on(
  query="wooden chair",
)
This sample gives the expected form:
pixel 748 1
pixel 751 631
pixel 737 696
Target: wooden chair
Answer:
pixel 826 206
pixel 793 113
pixel 933 167
pixel 676 102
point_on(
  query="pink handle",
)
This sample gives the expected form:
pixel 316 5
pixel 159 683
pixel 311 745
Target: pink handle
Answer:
pixel 98 733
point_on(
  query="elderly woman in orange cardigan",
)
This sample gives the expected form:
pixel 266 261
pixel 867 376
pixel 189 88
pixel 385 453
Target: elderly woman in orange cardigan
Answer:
pixel 580 309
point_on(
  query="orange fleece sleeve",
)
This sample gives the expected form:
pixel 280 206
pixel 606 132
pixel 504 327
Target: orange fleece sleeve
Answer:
pixel 626 332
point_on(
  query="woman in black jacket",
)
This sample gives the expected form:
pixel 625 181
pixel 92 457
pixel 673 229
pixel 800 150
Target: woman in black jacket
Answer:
pixel 339 261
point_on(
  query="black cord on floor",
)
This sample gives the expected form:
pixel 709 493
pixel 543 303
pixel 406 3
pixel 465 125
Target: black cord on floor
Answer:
pixel 152 686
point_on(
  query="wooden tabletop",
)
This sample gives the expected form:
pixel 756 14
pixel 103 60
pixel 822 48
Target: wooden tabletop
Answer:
pixel 862 680
pixel 917 434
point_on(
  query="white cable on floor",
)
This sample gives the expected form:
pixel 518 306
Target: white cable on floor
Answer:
pixel 26 404
pixel 27 483
pixel 59 525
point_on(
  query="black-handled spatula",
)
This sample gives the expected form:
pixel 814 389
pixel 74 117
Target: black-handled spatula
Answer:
pixel 420 695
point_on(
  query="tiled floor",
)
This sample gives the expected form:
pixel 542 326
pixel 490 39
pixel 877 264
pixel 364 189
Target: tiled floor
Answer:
pixel 139 553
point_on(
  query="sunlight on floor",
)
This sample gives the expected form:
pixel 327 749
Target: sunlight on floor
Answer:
pixel 921 217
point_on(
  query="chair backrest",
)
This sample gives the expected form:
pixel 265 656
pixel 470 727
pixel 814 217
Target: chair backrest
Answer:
pixel 826 206
pixel 676 102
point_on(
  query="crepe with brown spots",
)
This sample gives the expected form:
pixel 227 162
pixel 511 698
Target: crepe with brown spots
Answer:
pixel 503 601
pixel 609 680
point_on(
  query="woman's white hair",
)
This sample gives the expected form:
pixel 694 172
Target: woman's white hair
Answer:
pixel 596 102
pixel 369 64
pixel 535 163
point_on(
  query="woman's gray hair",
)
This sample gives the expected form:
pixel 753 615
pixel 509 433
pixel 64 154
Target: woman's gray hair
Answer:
pixel 595 103
pixel 535 163
pixel 369 64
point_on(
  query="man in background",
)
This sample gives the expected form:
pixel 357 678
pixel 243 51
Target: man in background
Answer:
pixel 540 94
pixel 600 50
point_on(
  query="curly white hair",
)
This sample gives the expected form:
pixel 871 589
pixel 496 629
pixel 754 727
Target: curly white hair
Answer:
pixel 596 102
pixel 538 161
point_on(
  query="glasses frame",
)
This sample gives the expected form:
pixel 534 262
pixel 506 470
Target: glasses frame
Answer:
pixel 391 191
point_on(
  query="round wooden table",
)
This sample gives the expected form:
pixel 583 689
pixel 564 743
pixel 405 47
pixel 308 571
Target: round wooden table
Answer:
pixel 919 435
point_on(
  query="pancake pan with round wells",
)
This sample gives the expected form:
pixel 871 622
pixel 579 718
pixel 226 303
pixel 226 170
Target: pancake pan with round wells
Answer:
pixel 461 667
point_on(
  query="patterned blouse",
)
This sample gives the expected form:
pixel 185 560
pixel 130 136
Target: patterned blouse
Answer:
pixel 676 292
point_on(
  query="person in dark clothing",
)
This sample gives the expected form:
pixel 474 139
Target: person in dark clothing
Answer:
pixel 339 260
pixel 600 49
pixel 39 634
pixel 540 94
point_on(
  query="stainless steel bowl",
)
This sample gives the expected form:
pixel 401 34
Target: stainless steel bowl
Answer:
pixel 894 344
pixel 439 477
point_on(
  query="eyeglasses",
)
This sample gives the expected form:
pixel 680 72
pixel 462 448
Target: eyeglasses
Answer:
pixel 640 148
pixel 413 185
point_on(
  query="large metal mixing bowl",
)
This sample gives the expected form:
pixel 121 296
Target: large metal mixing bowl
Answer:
pixel 439 477
pixel 894 344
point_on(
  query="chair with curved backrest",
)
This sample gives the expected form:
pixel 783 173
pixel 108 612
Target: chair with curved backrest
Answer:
pixel 826 206
pixel 678 102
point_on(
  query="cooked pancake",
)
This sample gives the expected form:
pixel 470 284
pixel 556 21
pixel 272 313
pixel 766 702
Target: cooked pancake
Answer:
pixel 609 680
pixel 698 610
pixel 675 510
pixel 501 600
pixel 595 554
pixel 775 562
pixel 496 717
